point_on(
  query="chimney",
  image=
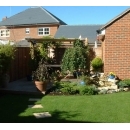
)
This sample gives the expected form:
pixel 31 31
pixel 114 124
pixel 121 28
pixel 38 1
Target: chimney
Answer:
pixel 4 18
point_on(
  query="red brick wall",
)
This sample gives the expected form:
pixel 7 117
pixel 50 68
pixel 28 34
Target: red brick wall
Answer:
pixel 117 47
pixel 18 33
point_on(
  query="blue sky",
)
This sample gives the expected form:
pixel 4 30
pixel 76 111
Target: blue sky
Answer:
pixel 73 15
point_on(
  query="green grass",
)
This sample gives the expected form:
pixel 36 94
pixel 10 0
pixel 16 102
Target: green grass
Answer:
pixel 108 108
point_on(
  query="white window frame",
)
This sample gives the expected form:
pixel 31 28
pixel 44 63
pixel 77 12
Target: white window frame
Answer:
pixel 27 30
pixel 3 33
pixel 43 31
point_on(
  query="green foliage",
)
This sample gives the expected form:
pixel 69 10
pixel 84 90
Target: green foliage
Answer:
pixel 88 90
pixel 75 57
pixel 7 53
pixel 41 73
pixel 127 81
pixel 97 63
pixel 124 83
pixel 41 51
pixel 74 88
pixel 35 57
pixel 70 88
pixel 86 79
pixel 78 43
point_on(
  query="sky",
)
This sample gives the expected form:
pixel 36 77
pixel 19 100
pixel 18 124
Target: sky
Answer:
pixel 73 15
pixel 71 12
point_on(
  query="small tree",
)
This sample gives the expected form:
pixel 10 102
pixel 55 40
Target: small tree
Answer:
pixel 75 57
pixel 97 63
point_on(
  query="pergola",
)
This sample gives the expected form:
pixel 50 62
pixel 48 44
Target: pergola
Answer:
pixel 66 42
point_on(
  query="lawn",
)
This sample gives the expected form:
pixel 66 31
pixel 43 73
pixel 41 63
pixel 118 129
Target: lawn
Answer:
pixel 108 108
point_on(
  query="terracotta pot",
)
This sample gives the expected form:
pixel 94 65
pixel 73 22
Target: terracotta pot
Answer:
pixel 41 85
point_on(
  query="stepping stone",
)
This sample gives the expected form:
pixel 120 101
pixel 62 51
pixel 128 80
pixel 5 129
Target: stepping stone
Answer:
pixel 34 99
pixel 35 106
pixel 42 115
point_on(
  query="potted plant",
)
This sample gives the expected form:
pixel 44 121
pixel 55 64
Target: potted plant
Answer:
pixel 7 53
pixel 41 76
pixel 111 75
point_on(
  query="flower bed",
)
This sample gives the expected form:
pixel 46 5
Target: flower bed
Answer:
pixel 75 87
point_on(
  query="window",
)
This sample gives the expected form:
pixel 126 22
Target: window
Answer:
pixel 4 33
pixel 27 31
pixel 43 31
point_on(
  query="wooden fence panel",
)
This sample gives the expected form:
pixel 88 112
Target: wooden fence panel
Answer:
pixel 20 65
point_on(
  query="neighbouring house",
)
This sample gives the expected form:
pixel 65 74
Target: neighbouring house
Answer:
pixel 115 38
pixel 34 22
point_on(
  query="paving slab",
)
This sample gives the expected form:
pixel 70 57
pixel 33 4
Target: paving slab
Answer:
pixel 35 106
pixel 42 115
pixel 34 99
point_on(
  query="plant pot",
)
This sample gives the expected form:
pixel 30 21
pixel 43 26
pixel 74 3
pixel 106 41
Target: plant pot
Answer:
pixel 111 77
pixel 41 85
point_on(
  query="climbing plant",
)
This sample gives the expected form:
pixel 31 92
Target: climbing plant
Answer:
pixel 41 50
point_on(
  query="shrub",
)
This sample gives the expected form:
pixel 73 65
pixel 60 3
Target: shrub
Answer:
pixel 127 81
pixel 74 88
pixel 97 63
pixel 124 83
pixel 7 53
pixel 70 88
pixel 88 90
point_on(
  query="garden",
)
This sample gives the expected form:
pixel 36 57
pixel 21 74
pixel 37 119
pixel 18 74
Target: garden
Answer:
pixel 81 73
pixel 68 100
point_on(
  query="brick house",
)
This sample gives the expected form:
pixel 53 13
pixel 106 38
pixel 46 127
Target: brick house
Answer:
pixel 34 22
pixel 115 38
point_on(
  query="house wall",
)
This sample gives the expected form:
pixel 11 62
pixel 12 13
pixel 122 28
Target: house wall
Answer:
pixel 98 51
pixel 18 33
pixel 117 47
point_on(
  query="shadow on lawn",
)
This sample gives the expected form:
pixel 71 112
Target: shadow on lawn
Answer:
pixel 10 111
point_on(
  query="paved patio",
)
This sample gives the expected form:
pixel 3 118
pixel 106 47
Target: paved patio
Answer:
pixel 22 86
